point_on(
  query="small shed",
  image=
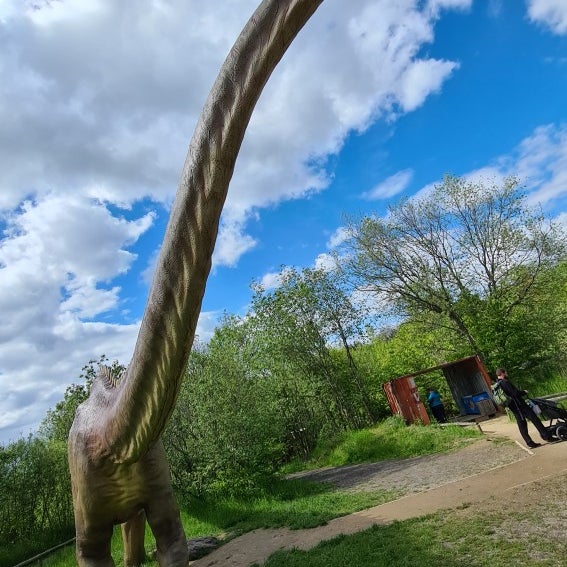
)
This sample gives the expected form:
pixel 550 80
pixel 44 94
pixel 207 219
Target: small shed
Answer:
pixel 469 384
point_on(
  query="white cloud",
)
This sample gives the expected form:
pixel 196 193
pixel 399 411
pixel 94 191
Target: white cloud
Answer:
pixel 231 243
pixel 208 320
pixel 335 243
pixel 421 79
pixel 562 220
pixel 337 238
pixel 539 162
pixel 53 262
pixel 117 109
pixel 551 13
pixel 325 262
pixel 436 5
pixel 100 106
pixel 367 66
pixel 88 301
pixel 391 186
pixel 542 162
pixel 57 13
pixel 37 366
pixel 119 120
pixel 271 280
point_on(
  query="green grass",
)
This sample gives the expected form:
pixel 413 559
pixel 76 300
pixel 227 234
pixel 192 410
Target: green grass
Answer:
pixel 444 539
pixel 292 503
pixel 547 384
pixel 493 538
pixel 299 504
pixel 391 439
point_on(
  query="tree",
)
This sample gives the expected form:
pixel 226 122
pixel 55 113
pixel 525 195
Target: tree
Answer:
pixel 472 255
pixel 307 317
pixel 35 496
pixel 411 346
pixel 269 385
pixel 226 432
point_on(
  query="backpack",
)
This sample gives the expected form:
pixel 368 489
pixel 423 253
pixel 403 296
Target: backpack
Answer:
pixel 499 396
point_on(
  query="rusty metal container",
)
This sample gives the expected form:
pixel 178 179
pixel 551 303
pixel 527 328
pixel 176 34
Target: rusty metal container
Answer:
pixel 468 382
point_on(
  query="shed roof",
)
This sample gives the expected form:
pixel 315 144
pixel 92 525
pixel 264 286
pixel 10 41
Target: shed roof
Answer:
pixel 438 367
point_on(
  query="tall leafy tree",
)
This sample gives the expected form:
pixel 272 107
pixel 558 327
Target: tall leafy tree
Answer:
pixel 269 385
pixel 308 316
pixel 471 254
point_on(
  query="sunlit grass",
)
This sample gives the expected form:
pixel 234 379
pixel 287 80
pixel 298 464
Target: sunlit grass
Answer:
pixel 548 384
pixel 296 504
pixel 293 503
pixel 445 539
pixel 391 439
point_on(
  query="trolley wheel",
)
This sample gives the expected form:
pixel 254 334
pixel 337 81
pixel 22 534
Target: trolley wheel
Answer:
pixel 561 432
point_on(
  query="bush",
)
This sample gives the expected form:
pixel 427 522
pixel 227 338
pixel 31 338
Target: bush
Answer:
pixel 35 496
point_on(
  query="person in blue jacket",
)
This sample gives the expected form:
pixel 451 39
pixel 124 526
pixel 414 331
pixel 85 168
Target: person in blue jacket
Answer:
pixel 436 405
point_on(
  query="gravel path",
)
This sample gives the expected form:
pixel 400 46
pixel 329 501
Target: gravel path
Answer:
pixel 421 473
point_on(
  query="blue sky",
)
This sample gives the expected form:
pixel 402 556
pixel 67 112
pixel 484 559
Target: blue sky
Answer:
pixel 375 100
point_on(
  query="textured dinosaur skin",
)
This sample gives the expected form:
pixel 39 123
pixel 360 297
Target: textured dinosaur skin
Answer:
pixel 118 467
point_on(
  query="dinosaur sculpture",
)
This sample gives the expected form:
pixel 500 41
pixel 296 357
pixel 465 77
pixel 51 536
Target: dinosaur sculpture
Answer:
pixel 118 466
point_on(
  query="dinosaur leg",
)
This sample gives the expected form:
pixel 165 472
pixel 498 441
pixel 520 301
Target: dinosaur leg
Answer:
pixel 93 547
pixel 165 522
pixel 133 537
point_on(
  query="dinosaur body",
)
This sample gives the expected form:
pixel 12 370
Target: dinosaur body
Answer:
pixel 107 492
pixel 118 467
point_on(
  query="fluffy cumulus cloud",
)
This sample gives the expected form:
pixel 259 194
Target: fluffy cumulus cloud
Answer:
pixel 356 63
pixel 271 280
pixel 550 13
pixel 96 118
pixel 231 243
pixel 55 257
pixel 104 96
pixel 325 262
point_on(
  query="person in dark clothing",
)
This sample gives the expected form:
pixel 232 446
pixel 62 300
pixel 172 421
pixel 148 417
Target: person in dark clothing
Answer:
pixel 521 410
pixel 436 405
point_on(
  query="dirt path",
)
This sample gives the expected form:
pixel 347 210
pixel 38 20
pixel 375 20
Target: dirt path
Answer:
pixel 472 475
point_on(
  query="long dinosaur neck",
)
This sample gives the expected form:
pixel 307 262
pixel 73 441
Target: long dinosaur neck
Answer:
pixel 148 393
